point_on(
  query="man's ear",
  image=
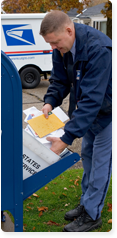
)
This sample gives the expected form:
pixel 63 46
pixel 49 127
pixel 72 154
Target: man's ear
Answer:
pixel 69 30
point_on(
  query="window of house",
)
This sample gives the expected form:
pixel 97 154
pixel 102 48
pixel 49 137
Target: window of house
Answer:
pixel 103 27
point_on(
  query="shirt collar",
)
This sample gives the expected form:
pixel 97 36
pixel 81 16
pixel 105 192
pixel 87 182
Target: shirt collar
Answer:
pixel 73 49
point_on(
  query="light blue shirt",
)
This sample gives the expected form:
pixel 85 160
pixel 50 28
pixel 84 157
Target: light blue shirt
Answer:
pixel 73 50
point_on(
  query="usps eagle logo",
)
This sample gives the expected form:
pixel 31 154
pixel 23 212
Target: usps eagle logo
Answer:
pixel 18 34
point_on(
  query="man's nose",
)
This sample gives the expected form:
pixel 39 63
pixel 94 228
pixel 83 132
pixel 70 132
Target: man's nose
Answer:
pixel 53 46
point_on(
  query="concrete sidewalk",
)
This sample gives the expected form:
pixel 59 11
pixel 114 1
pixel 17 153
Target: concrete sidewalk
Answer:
pixel 8 225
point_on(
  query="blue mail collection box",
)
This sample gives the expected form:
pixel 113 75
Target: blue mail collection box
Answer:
pixel 15 189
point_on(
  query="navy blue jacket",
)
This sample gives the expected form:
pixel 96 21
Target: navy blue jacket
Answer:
pixel 92 82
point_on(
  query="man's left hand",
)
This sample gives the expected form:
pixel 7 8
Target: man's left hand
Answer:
pixel 57 144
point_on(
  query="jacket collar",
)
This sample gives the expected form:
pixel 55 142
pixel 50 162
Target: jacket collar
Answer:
pixel 81 43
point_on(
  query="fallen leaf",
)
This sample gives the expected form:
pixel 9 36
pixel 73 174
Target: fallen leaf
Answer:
pixel 29 207
pixel 35 195
pixel 75 182
pixel 66 205
pixel 51 223
pixel 42 208
pixel 26 210
pixel 40 201
pixel 109 221
pixel 65 189
pixel 40 214
pixel 24 228
pixel 30 203
pixel 71 186
pixel 54 193
pixel 46 188
pixel 29 198
pixel 24 224
pixel 110 207
pixel 33 228
pixel 64 194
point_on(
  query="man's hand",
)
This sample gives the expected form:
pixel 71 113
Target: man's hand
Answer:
pixel 57 144
pixel 45 109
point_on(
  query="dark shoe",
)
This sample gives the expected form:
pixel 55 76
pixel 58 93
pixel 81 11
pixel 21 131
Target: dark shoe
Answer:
pixel 71 215
pixel 83 223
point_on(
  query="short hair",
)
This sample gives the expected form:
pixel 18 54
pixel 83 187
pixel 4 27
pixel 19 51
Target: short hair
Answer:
pixel 54 21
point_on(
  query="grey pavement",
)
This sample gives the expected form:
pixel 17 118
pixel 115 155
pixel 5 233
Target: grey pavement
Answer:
pixel 34 97
pixel 8 225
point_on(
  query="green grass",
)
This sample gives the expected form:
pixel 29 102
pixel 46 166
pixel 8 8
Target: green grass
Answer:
pixel 61 195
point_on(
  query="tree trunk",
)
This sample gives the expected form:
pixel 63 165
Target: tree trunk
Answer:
pixel 109 23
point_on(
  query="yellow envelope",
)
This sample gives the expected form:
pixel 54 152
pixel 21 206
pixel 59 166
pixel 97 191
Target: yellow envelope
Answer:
pixel 43 126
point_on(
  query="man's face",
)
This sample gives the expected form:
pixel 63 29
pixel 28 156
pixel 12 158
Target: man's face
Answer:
pixel 61 41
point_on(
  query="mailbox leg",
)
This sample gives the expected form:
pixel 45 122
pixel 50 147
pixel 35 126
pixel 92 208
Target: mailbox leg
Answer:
pixel 18 219
pixel 3 218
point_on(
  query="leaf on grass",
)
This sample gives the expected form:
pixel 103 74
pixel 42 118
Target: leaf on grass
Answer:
pixel 46 188
pixel 64 194
pixel 65 189
pixel 71 186
pixel 109 221
pixel 29 207
pixel 66 205
pixel 51 223
pixel 75 182
pixel 29 198
pixel 33 228
pixel 110 207
pixel 40 214
pixel 24 228
pixel 42 209
pixel 35 195
pixel 24 224
pixel 30 203
pixel 40 201
pixel 26 210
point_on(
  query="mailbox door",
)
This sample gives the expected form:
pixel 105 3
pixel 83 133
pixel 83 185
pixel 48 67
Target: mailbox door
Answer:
pixel 11 141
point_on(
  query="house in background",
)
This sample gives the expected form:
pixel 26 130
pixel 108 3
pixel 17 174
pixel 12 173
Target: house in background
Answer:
pixel 91 16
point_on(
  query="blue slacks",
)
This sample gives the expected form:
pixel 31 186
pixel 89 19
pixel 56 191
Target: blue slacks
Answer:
pixel 97 163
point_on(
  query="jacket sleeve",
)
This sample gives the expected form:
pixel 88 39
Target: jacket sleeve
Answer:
pixel 59 85
pixel 93 89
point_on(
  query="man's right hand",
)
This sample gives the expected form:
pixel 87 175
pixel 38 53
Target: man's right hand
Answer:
pixel 45 109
